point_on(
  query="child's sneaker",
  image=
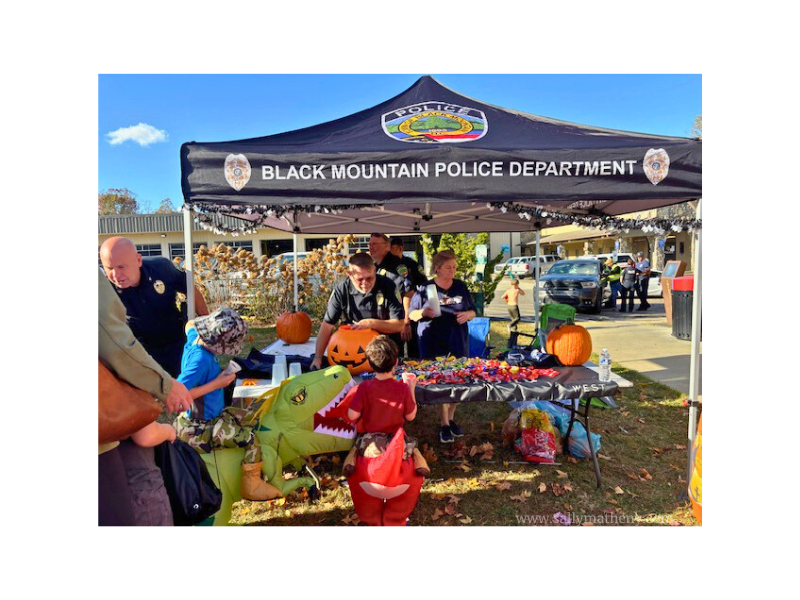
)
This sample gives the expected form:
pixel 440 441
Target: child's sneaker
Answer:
pixel 455 429
pixel 445 435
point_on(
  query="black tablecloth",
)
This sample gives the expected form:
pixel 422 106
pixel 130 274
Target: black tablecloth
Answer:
pixel 570 383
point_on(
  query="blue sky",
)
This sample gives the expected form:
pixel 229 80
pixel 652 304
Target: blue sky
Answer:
pixel 148 117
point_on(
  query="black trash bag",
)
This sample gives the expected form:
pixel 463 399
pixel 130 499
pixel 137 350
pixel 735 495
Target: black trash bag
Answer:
pixel 192 493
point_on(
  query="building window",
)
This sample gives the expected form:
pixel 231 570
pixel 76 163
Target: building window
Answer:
pixel 271 248
pixel 243 245
pixel 176 250
pixel 360 244
pixel 316 243
pixel 149 249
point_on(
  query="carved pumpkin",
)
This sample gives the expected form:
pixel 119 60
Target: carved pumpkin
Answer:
pixel 347 346
pixel 571 344
pixel 294 328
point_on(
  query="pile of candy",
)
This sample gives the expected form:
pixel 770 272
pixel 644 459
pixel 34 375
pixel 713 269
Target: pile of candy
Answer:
pixel 469 371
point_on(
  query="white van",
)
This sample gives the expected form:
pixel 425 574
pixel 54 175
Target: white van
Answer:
pixel 526 265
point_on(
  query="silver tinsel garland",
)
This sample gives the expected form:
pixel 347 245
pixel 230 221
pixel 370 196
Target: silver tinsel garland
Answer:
pixel 210 217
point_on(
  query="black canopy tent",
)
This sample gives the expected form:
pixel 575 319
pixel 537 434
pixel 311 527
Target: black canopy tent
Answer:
pixel 432 160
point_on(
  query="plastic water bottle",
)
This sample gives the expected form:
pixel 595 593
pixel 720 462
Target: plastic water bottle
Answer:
pixel 605 365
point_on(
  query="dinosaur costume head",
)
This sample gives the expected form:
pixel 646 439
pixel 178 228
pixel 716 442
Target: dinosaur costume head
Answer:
pixel 309 413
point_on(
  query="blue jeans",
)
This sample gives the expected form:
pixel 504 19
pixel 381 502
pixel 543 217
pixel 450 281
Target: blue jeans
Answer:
pixel 616 288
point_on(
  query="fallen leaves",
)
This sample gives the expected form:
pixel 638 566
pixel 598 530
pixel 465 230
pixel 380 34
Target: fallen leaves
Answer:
pixel 351 519
pixel 644 475
pixel 429 453
pixel 486 451
pixel 562 474
pixel 502 486
pixel 542 488
pixel 522 496
pixel 619 490
pixel 465 520
pixel 603 456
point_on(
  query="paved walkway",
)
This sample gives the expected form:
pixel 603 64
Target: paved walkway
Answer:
pixel 641 341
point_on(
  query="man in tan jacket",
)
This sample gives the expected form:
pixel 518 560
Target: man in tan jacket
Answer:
pixel 119 350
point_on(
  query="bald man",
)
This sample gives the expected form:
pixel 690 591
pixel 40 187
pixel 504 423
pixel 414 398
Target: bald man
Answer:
pixel 148 289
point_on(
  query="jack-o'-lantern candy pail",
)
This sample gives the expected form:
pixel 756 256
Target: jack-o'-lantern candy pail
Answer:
pixel 348 348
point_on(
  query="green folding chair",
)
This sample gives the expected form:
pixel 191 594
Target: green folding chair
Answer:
pixel 550 317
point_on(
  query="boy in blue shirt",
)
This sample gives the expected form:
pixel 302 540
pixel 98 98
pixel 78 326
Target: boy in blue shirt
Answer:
pixel 221 332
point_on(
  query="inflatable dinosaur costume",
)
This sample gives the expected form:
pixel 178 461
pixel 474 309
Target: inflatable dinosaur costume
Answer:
pixel 303 418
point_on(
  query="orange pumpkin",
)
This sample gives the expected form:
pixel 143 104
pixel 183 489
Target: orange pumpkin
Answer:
pixel 346 348
pixel 571 344
pixel 294 327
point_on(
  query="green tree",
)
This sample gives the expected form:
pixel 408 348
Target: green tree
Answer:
pixel 165 207
pixel 463 246
pixel 697 128
pixel 117 201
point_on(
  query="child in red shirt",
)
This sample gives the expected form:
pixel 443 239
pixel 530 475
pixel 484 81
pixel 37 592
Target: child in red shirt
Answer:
pixel 383 404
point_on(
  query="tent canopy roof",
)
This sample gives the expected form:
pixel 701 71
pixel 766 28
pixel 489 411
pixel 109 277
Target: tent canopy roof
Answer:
pixel 433 160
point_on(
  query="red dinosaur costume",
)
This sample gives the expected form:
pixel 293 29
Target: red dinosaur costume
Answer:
pixel 385 488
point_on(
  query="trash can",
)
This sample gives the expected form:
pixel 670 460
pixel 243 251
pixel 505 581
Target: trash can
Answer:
pixel 682 293
pixel 478 301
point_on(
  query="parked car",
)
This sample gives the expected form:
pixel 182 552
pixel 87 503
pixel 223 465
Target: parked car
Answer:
pixel 507 265
pixel 526 266
pixel 575 282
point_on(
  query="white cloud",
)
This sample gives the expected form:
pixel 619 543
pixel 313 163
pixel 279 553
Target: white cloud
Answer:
pixel 143 134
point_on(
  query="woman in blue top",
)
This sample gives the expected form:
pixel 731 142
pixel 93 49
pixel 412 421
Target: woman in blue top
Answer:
pixel 447 333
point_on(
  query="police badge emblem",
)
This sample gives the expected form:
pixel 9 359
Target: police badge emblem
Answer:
pixel 379 298
pixel 435 123
pixel 159 286
pixel 237 171
pixel 656 165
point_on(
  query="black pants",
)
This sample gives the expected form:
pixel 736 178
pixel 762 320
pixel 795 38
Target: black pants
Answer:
pixel 627 296
pixel 412 345
pixel 641 291
pixel 115 503
pixel 513 312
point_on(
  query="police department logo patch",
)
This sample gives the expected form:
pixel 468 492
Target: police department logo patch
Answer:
pixel 435 123
pixel 237 171
pixel 159 286
pixel 656 165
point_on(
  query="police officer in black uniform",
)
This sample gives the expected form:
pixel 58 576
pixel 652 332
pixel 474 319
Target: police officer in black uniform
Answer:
pixel 389 265
pixel 365 300
pixel 415 277
pixel 148 288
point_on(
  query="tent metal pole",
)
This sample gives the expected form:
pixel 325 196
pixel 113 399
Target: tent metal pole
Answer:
pixel 694 365
pixel 188 261
pixel 536 282
pixel 294 242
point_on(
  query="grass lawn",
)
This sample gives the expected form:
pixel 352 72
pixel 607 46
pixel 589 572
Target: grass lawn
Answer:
pixel 642 460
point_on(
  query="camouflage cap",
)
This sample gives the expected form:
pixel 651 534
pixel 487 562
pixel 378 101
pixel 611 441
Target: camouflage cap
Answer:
pixel 223 331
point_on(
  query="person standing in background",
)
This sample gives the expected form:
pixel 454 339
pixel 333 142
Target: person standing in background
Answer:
pixel 511 296
pixel 414 275
pixel 642 280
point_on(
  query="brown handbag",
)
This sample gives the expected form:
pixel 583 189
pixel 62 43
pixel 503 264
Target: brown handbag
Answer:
pixel 123 409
